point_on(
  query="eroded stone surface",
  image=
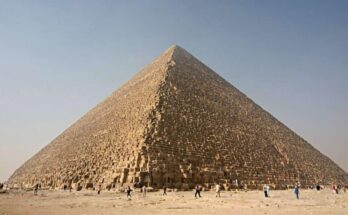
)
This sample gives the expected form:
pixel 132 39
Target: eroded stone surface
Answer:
pixel 177 123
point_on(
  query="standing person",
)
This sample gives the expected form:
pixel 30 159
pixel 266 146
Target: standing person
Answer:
pixel 143 190
pixel 266 190
pixel 338 188
pixel 334 188
pixel 99 189
pixel 36 188
pixel 297 191
pixel 164 190
pixel 129 190
pixel 218 190
pixel 198 191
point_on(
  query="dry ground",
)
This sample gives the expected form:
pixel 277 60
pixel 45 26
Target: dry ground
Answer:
pixel 231 202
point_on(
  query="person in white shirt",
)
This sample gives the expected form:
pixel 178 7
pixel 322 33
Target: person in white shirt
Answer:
pixel 266 190
pixel 218 190
pixel 143 190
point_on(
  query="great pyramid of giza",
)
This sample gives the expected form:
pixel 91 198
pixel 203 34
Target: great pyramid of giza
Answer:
pixel 177 123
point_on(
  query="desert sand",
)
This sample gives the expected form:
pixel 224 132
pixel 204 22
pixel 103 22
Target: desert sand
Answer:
pixel 231 202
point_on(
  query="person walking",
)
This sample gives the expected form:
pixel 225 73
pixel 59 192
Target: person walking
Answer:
pixel 198 191
pixel 143 190
pixel 164 190
pixel 266 190
pixel 297 191
pixel 36 188
pixel 218 190
pixel 129 190
pixel 334 188
pixel 99 189
pixel 338 189
pixel 245 187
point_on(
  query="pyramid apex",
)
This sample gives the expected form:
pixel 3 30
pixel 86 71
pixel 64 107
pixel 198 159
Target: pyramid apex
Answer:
pixel 175 48
pixel 177 51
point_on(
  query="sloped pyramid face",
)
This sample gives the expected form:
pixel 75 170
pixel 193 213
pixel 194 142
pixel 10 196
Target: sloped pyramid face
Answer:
pixel 177 123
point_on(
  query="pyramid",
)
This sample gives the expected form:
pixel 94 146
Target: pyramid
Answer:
pixel 177 123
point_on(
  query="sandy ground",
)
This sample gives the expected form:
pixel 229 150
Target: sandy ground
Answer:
pixel 231 202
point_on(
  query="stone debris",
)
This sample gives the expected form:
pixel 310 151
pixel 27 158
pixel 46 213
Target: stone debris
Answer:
pixel 177 123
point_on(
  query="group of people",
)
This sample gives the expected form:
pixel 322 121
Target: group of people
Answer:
pixel 198 188
pixel 143 190
pixel 267 194
pixel 337 188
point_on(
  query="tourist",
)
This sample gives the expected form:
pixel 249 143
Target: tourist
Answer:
pixel 218 189
pixel 297 191
pixel 266 190
pixel 1 186
pixel 36 188
pixel 338 189
pixel 143 190
pixel 334 188
pixel 198 191
pixel 318 187
pixel 99 189
pixel 245 187
pixel 129 190
pixel 164 190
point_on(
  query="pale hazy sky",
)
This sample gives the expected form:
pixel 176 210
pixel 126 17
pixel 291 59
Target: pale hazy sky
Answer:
pixel 58 59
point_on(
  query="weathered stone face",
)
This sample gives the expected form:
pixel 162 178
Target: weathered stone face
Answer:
pixel 177 123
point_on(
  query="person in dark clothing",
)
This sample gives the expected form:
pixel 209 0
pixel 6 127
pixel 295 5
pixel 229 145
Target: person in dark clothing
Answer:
pixel 164 190
pixel 36 188
pixel 99 189
pixel 297 191
pixel 129 190
pixel 198 191
pixel 338 188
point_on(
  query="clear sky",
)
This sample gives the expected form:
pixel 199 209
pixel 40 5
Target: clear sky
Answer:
pixel 58 59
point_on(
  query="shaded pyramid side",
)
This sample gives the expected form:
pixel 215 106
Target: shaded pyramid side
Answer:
pixel 208 131
pixel 104 145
